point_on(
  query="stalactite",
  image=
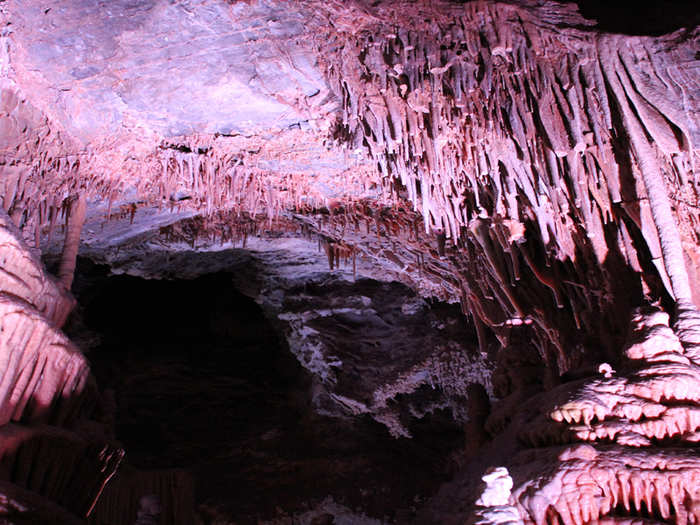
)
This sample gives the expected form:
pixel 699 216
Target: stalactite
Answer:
pixel 534 143
pixel 75 217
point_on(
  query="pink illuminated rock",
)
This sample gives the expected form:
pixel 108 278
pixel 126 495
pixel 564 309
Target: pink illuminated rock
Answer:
pixel 653 402
pixel 490 123
pixel 512 157
pixel 582 484
pixel 48 474
pixel 493 505
pixel 45 378
pixel 74 226
pixel 493 121
pixel 656 396
pixel 22 275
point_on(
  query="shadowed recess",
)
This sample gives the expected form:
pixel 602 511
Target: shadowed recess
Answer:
pixel 201 383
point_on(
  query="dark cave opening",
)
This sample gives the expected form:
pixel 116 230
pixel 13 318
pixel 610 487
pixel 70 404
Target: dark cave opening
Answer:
pixel 200 381
pixel 631 17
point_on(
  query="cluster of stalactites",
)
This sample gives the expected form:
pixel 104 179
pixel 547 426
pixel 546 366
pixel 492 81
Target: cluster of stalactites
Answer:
pixel 221 176
pixel 233 227
pixel 42 171
pixel 215 181
pixel 393 237
pixel 492 115
pixel 37 196
pixel 505 135
pixel 36 193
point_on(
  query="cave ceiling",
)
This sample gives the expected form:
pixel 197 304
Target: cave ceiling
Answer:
pixel 508 129
pixel 172 68
pixel 533 162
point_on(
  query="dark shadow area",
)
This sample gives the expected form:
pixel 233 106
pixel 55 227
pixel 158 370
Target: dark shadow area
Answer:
pixel 631 17
pixel 201 382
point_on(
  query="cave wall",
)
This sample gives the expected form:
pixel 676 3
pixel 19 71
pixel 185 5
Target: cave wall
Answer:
pixel 518 133
pixel 515 158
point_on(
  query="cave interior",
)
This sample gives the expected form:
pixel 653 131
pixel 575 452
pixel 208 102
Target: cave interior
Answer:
pixel 349 262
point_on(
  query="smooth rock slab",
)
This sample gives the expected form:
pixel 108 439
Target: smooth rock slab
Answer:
pixel 201 66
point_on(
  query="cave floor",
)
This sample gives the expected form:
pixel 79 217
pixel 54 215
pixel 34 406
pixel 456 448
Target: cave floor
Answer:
pixel 199 381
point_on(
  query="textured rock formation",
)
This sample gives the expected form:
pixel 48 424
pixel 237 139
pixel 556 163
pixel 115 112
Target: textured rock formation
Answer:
pixel 515 158
pixel 641 423
pixel 544 120
pixel 654 397
pixel 58 465
pixel 49 474
pixel 493 504
pixel 45 378
pixel 379 350
pixel 372 348
pixel 22 276
pixel 189 360
pixel 512 132
pixel 254 155
pixel 613 483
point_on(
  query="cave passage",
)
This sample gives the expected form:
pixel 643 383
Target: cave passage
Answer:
pixel 200 381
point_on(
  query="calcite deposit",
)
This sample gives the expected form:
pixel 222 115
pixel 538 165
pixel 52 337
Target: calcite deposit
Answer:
pixel 642 426
pixel 354 166
pixel 51 454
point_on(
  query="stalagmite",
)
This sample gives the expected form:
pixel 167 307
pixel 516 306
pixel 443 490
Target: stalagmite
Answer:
pixel 654 398
pixel 493 506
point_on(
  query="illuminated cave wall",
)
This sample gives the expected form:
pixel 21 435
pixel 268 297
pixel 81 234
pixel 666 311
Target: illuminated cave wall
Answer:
pixel 516 158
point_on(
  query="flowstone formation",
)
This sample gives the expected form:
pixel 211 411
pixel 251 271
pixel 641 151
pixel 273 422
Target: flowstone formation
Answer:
pixel 640 429
pixel 55 458
pixel 534 162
